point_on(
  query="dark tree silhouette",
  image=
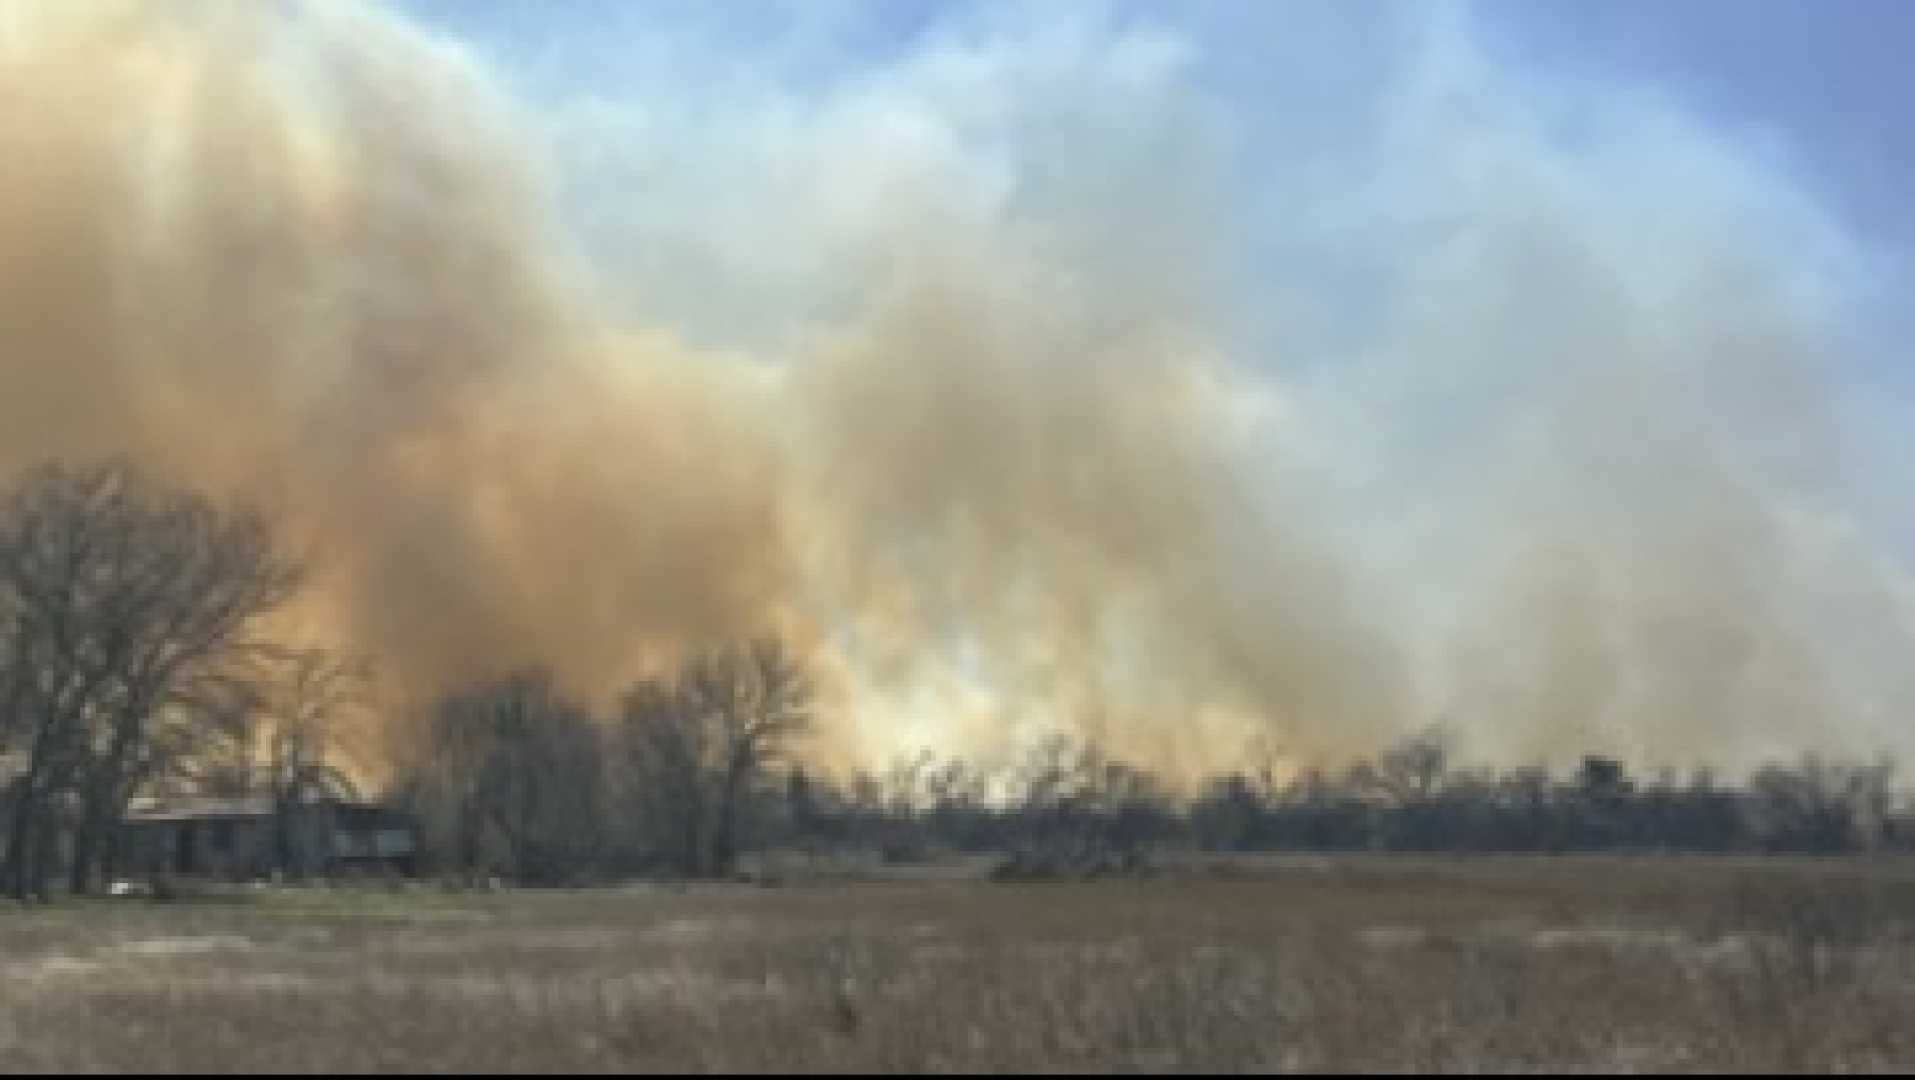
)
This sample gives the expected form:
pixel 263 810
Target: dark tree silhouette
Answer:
pixel 128 609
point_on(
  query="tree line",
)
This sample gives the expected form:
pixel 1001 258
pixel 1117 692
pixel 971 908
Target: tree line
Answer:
pixel 1070 809
pixel 676 783
pixel 135 659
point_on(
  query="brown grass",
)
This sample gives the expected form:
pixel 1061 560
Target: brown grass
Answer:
pixel 1341 964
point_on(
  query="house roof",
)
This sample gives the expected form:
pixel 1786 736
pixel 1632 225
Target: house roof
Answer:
pixel 201 808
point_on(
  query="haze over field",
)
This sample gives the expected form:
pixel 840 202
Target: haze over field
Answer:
pixel 1172 374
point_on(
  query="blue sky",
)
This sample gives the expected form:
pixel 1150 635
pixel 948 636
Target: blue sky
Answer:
pixel 1828 81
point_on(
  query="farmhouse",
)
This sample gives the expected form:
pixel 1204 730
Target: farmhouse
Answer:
pixel 251 836
pixel 325 829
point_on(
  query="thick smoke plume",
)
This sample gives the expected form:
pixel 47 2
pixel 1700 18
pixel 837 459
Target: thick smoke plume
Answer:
pixel 996 441
pixel 294 256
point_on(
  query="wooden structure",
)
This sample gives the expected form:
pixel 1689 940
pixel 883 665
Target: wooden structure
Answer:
pixel 327 830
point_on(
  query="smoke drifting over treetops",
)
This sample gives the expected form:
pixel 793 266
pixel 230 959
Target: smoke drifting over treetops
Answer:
pixel 1003 377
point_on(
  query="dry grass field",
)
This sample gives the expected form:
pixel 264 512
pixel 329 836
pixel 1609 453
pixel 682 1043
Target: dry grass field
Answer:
pixel 1267 965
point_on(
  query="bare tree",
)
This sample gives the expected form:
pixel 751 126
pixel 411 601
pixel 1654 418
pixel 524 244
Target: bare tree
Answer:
pixel 665 759
pixel 758 699
pixel 514 774
pixel 306 695
pixel 130 609
pixel 442 783
pixel 696 747
pixel 1414 767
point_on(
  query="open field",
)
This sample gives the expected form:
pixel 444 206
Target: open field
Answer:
pixel 1276 964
